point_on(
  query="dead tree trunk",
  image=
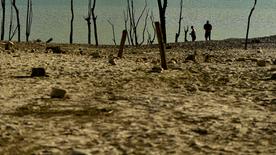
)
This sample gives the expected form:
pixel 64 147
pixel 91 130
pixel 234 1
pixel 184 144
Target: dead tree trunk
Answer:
pixel 3 3
pixel 94 18
pixel 179 22
pixel 17 19
pixel 72 22
pixel 88 20
pixel 162 15
pixel 248 24
pixel 29 19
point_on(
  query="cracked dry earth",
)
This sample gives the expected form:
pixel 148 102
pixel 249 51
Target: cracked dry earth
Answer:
pixel 226 105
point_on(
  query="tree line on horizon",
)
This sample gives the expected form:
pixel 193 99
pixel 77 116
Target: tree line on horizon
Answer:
pixel 131 22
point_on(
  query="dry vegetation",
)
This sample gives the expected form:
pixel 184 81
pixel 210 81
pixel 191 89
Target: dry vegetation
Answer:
pixel 221 101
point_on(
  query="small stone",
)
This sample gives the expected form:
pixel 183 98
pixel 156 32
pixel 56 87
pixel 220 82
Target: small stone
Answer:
pixel 58 93
pixel 38 72
pixel 274 62
pixel 261 63
pixel 95 55
pixel 273 77
pixel 157 69
pixel 260 51
pixel 112 61
pixel 240 59
pixel 190 58
pixel 54 49
pixel 200 131
pixel 192 88
pixel 173 61
pixel 273 101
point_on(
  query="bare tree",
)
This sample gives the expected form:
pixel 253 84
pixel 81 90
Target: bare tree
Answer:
pixel 150 38
pixel 88 20
pixel 72 21
pixel 162 14
pixel 3 3
pixel 126 19
pixel 134 23
pixel 145 27
pixel 11 31
pixel 29 19
pixel 113 31
pixel 186 30
pixel 17 18
pixel 248 24
pixel 94 17
pixel 179 22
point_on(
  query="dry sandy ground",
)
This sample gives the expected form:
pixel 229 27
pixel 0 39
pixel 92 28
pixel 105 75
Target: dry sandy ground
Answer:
pixel 224 102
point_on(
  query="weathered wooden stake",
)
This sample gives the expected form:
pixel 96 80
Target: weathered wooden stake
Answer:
pixel 122 45
pixel 161 45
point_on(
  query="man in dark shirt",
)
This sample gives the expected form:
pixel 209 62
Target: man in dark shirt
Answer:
pixel 193 33
pixel 208 29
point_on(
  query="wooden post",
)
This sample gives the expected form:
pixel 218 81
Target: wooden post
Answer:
pixel 161 45
pixel 122 45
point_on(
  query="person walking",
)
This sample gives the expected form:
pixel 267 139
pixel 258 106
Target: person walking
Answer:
pixel 193 33
pixel 208 29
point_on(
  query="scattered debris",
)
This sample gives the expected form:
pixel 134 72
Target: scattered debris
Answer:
pixel 49 40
